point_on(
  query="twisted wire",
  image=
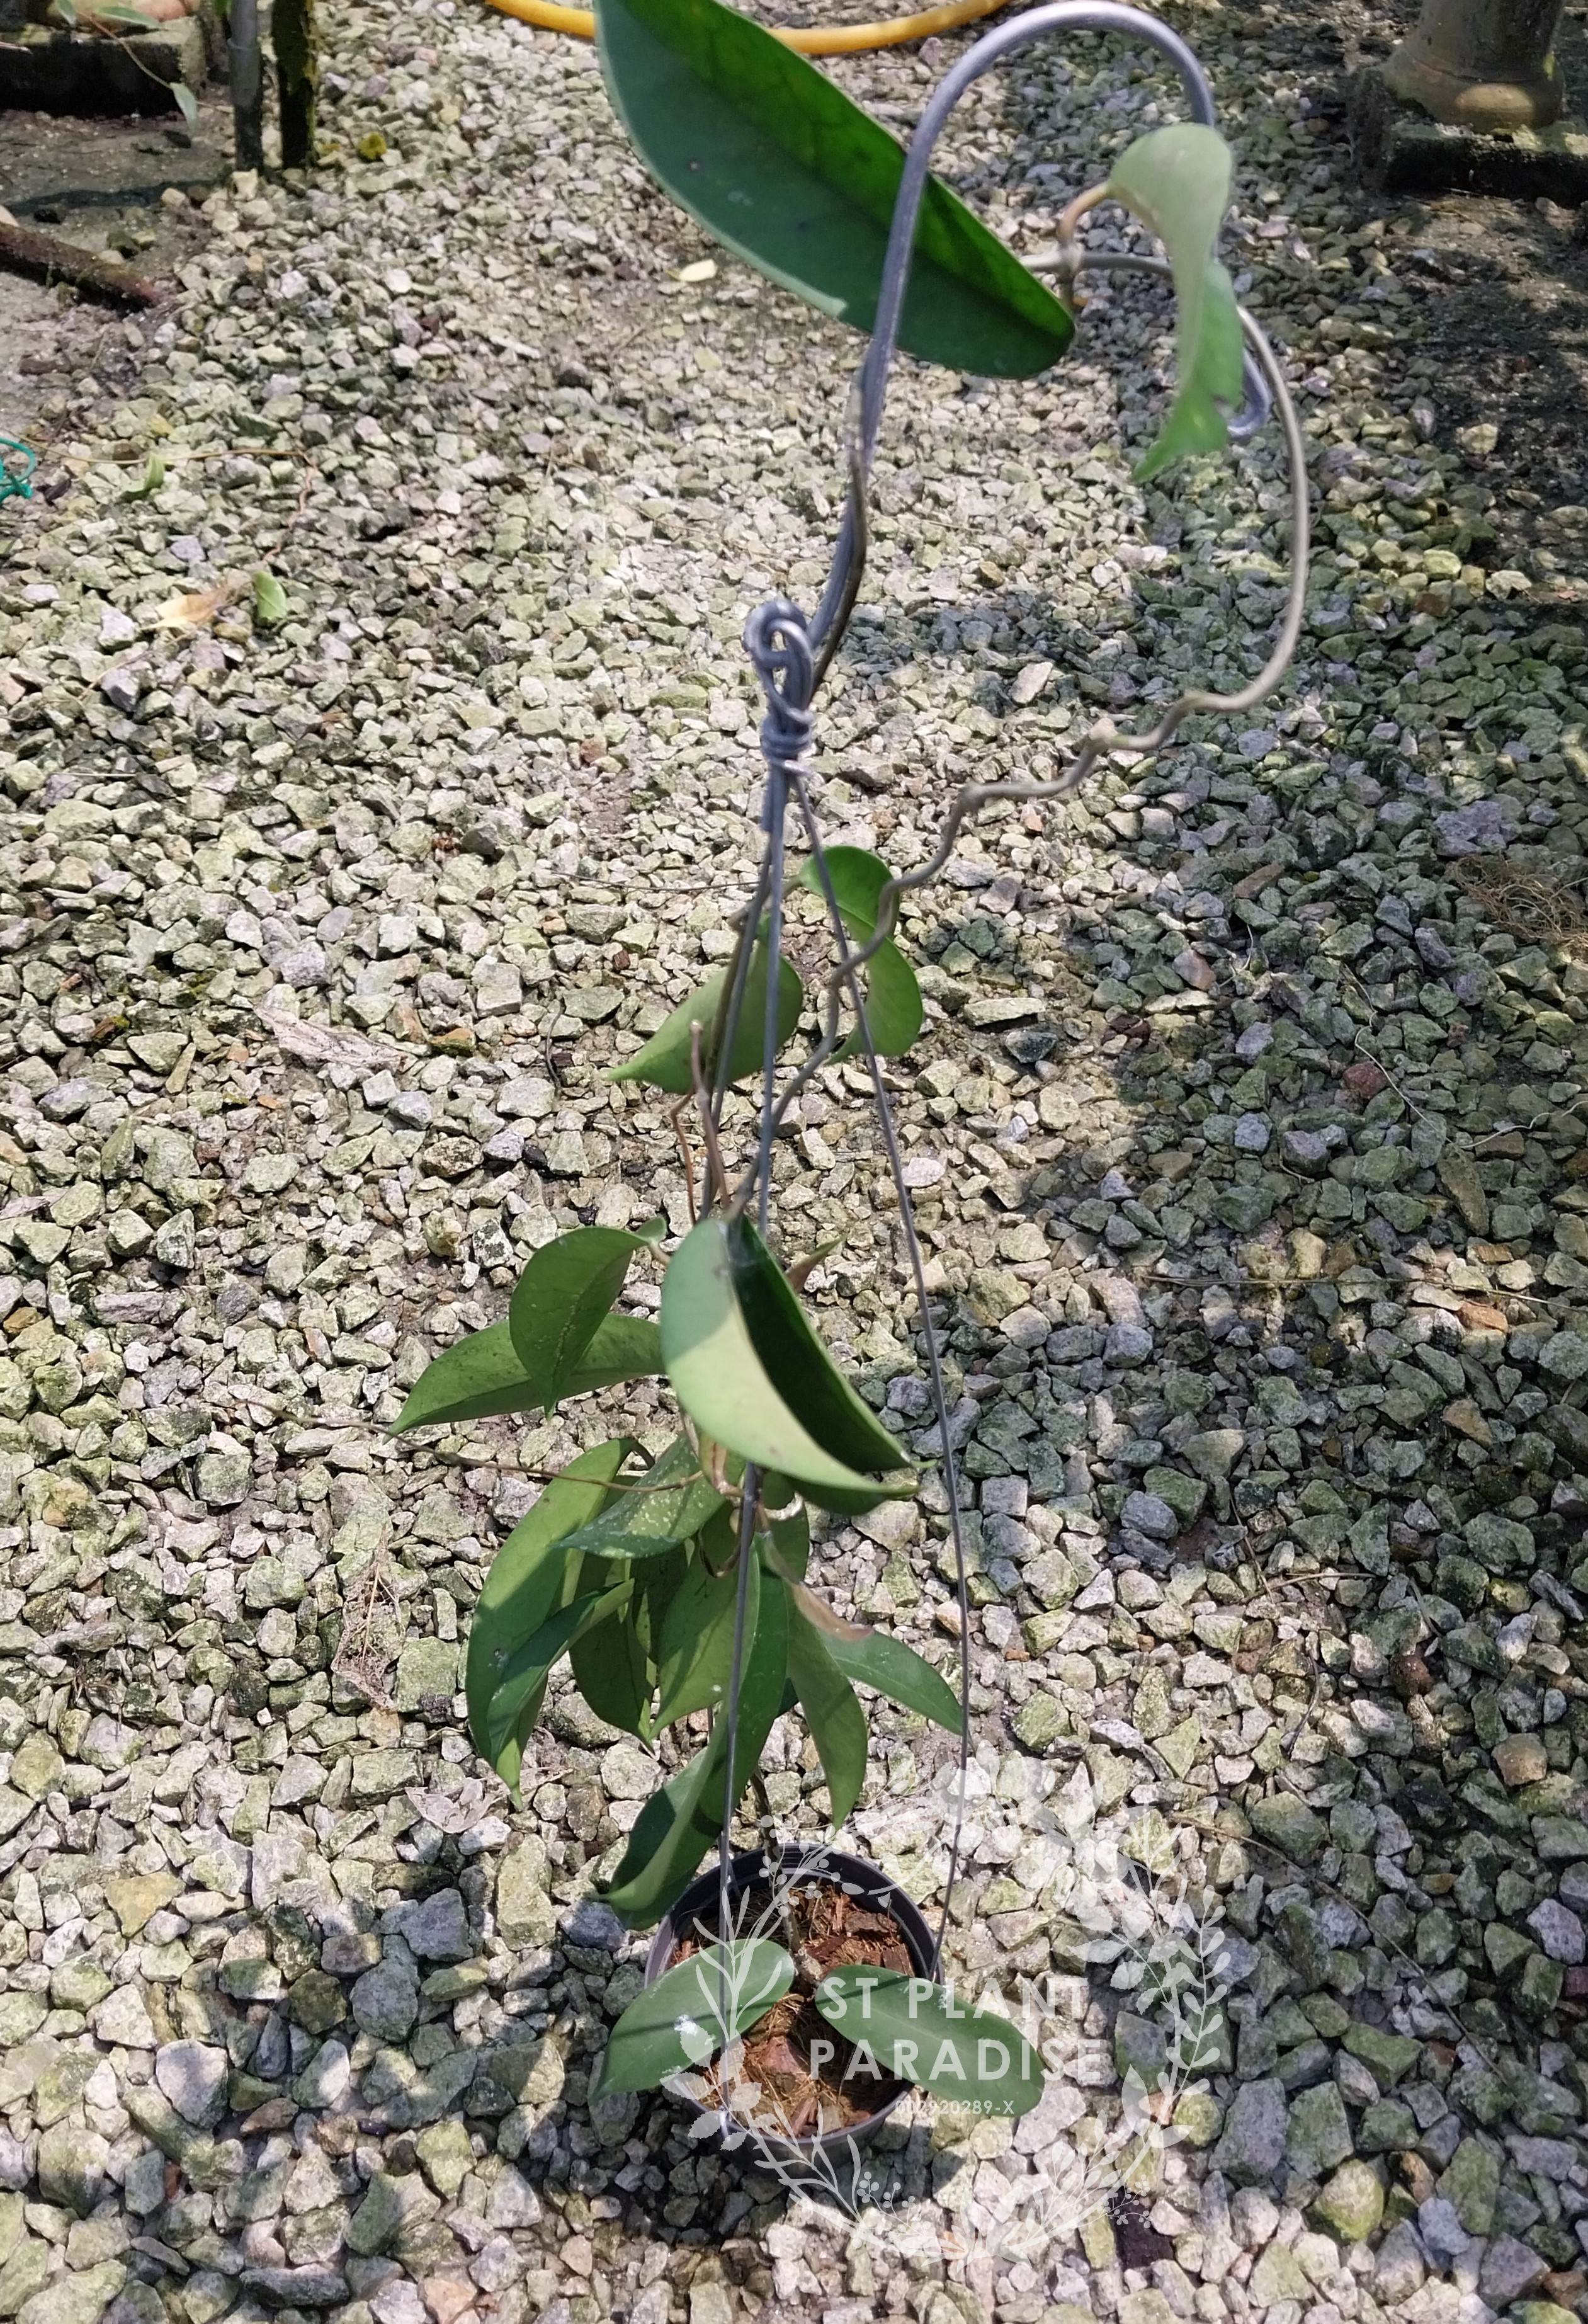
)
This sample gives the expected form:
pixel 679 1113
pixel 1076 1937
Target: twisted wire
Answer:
pixel 779 643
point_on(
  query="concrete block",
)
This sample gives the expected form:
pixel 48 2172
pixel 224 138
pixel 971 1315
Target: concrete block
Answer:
pixel 1403 152
pixel 74 73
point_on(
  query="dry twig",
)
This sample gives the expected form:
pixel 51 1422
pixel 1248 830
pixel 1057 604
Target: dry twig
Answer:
pixel 48 259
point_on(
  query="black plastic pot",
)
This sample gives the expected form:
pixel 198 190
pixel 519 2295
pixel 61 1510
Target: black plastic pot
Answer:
pixel 856 1878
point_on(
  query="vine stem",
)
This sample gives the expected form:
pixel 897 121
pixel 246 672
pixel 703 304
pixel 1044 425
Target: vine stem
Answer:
pixel 790 656
pixel 937 1386
pixel 749 1491
pixel 1104 740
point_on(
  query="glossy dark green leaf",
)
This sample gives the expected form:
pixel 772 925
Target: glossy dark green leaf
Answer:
pixel 694 1653
pixel 894 1010
pixel 680 1822
pixel 796 1361
pixel 921 2033
pixel 653 1509
pixel 484 1374
pixel 659 1580
pixel 532 1574
pixel 773 159
pixel 525 1669
pixel 694 2010
pixel 1176 180
pixel 718 1375
pixel 664 1062
pixel 832 1713
pixel 479 1375
pixel 874 1659
pixel 613 1669
pixel 854 1501
pixel 560 1298
pixel 509 1758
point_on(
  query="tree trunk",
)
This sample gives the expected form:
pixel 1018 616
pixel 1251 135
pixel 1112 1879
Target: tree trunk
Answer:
pixel 298 75
pixel 1487 64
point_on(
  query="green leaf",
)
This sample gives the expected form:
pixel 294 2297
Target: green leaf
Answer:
pixel 790 1534
pixel 894 1010
pixel 560 1298
pixel 1176 180
pixel 187 103
pixel 668 1504
pixel 834 1716
pixel 479 1375
pixel 532 1575
pixel 857 1502
pixel 718 1375
pixel 510 1760
pixel 613 1669
pixel 894 1007
pixel 884 1663
pixel 271 607
pixel 694 2010
pixel 152 479
pixel 917 2033
pixel 484 1375
pixel 525 1670
pixel 694 1653
pixel 781 166
pixel 858 879
pixel 680 1822
pixel 624 1348
pixel 796 1361
pixel 664 1062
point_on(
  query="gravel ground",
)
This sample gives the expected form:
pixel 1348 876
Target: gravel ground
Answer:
pixel 1252 1152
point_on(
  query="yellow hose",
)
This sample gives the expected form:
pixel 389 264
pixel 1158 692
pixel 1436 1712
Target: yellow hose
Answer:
pixel 843 41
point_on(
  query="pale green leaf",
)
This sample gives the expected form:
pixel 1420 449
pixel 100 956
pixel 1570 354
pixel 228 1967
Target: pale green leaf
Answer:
pixel 271 607
pixel 694 2010
pixel 1176 180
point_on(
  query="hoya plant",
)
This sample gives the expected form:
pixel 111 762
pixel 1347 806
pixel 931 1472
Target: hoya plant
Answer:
pixel 633 1565
pixel 674 1582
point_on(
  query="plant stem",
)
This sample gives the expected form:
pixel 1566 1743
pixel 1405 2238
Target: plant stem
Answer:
pixel 937 1386
pixel 747 1550
pixel 716 1173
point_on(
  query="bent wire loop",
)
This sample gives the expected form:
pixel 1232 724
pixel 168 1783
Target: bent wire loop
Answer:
pixel 789 655
pixel 17 463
